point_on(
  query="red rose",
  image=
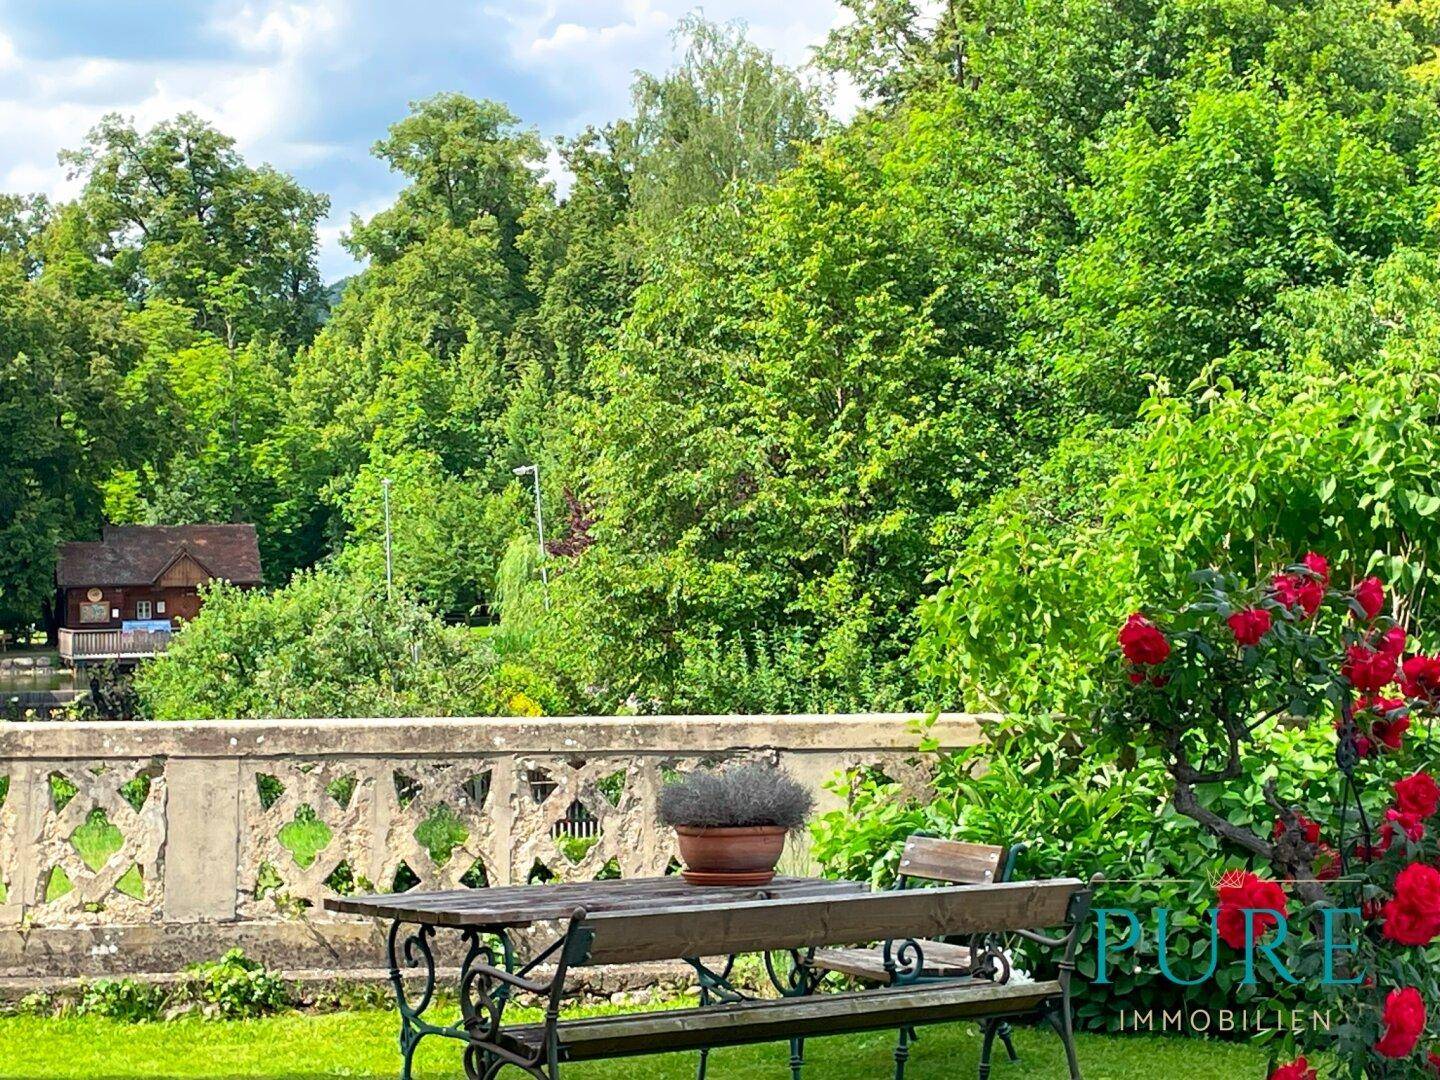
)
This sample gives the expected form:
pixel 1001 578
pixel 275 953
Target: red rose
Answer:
pixel 1370 595
pixel 1299 1069
pixel 1410 824
pixel 1433 1060
pixel 1421 676
pixel 1293 590
pixel 1250 625
pixel 1412 917
pixel 1404 1020
pixel 1142 642
pixel 1243 892
pixel 1391 723
pixel 1392 642
pixel 1367 669
pixel 1418 795
pixel 1318 565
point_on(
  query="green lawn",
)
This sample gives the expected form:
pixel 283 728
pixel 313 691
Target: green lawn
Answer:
pixel 362 1044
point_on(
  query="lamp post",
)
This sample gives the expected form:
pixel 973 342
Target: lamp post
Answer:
pixel 389 569
pixel 533 471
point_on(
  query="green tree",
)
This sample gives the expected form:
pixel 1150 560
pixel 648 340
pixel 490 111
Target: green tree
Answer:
pixel 729 112
pixel 61 362
pixel 178 215
pixel 469 164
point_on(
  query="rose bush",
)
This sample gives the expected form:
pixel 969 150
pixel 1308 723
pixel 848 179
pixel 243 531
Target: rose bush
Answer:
pixel 1214 682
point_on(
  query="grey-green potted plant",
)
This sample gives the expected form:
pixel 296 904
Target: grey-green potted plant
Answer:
pixel 731 822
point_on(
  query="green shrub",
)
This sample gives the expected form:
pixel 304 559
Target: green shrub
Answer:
pixel 235 988
pixel 124 999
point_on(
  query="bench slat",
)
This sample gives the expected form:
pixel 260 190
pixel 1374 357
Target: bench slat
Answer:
pixel 703 930
pixel 955 861
pixel 774 1021
pixel 941 958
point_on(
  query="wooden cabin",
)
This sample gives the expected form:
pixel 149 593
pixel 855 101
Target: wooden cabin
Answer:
pixel 119 597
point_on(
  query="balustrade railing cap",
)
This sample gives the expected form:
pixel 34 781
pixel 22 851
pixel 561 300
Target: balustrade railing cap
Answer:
pixel 391 736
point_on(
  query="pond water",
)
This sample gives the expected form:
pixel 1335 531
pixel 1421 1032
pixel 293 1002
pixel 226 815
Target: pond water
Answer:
pixel 17 680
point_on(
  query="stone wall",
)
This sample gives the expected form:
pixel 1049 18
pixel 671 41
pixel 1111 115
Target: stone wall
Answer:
pixel 140 847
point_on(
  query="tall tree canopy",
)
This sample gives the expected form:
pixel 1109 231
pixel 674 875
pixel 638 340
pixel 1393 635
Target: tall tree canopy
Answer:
pixel 178 215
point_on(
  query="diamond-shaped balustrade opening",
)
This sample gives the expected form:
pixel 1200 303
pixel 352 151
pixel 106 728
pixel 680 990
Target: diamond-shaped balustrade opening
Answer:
pixel 613 787
pixel 477 789
pixel 269 789
pixel 132 883
pixel 342 790
pixel 539 874
pixel 610 871
pixel 407 788
pixel 476 877
pixel 542 784
pixel 674 867
pixel 62 790
pixel 96 839
pixel 4 790
pixel 58 884
pixel 405 879
pixel 305 837
pixel 343 880
pixel 441 833
pixel 136 790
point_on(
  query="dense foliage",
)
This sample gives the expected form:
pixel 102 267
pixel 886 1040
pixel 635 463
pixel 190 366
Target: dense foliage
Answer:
pixel 1086 294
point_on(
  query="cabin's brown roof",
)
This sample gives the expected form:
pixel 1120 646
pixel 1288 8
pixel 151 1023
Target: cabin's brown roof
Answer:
pixel 139 554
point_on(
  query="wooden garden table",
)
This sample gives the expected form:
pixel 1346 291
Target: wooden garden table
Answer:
pixel 485 918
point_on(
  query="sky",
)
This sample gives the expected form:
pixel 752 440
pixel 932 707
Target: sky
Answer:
pixel 309 86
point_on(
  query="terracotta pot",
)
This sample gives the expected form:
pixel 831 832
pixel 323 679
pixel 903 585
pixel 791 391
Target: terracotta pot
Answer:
pixel 732 856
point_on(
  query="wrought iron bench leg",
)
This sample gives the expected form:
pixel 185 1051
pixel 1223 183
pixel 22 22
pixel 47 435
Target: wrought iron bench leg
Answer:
pixel 1059 1017
pixel 902 1053
pixel 702 1065
pixel 797 1058
pixel 1005 1037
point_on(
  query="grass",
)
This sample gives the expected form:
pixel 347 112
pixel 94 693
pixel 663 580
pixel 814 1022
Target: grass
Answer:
pixel 298 1046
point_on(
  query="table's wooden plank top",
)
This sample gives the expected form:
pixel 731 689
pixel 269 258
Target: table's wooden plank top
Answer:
pixel 523 905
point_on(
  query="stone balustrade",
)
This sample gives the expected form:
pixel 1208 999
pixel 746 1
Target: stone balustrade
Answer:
pixel 133 847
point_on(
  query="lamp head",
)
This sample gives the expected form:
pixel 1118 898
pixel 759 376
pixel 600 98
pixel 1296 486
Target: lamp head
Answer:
pixel 523 470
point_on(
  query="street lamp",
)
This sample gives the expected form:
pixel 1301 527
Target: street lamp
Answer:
pixel 389 569
pixel 534 472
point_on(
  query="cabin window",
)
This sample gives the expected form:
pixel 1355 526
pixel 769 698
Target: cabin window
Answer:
pixel 142 609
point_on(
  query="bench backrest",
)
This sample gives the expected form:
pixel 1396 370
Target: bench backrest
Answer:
pixel 757 926
pixel 928 858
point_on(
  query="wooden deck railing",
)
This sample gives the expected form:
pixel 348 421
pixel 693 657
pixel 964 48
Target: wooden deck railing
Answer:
pixel 85 645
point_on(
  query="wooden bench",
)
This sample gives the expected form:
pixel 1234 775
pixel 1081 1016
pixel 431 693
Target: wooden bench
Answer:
pixel 926 859
pixel 799 927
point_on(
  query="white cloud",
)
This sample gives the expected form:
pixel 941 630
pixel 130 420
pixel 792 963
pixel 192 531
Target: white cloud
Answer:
pixel 307 85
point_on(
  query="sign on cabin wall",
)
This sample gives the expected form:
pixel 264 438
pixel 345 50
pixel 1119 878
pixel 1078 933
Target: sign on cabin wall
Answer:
pixel 95 613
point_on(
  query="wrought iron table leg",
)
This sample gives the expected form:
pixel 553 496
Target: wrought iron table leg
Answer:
pixel 902 1053
pixel 988 1030
pixel 415 952
pixel 797 1058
